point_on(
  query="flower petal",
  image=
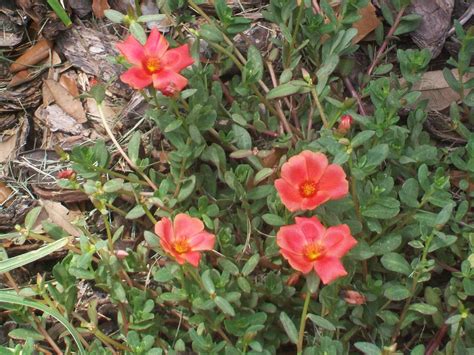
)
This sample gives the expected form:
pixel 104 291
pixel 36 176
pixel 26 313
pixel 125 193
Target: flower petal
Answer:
pixel 202 241
pixel 297 262
pixel 294 171
pixel 334 182
pixel 132 50
pixel 311 228
pixel 312 202
pixel 288 194
pixel 164 229
pixel 167 81
pixel 316 164
pixel 291 238
pixel 186 226
pixel 338 241
pixel 156 44
pixel 136 77
pixel 177 59
pixel 329 269
pixel 193 258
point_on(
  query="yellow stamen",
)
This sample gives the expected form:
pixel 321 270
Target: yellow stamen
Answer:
pixel 181 246
pixel 313 251
pixel 152 64
pixel 308 189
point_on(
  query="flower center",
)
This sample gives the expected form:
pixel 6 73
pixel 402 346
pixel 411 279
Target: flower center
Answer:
pixel 313 251
pixel 308 189
pixel 152 64
pixel 181 246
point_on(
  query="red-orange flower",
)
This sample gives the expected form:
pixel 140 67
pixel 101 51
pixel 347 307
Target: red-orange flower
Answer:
pixel 154 64
pixel 307 181
pixel 185 238
pixel 308 245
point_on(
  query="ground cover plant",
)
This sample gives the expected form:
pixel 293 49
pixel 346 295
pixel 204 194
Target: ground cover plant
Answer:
pixel 300 200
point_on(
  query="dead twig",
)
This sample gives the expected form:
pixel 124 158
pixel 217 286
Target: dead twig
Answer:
pixel 384 45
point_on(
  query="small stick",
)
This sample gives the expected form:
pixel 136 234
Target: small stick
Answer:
pixel 384 45
pixel 355 95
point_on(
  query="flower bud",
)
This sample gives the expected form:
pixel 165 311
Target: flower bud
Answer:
pixel 345 124
pixel 121 254
pixel 66 174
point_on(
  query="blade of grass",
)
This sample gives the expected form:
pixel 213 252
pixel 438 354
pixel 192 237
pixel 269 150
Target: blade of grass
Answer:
pixel 59 10
pixel 21 260
pixel 7 297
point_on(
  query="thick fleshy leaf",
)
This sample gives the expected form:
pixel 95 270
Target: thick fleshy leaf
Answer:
pixel 137 78
pixel 177 59
pixel 329 269
pixel 186 226
pixel 132 50
pixel 156 44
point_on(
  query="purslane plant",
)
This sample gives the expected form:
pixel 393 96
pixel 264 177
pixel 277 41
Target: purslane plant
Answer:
pixel 264 175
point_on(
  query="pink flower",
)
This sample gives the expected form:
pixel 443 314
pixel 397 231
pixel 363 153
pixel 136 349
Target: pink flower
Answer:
pixel 307 181
pixel 308 245
pixel 66 174
pixel 185 238
pixel 345 124
pixel 153 63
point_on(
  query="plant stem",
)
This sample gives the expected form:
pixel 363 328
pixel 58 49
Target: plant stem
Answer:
pixel 299 346
pixel 149 214
pixel 416 277
pixel 295 32
pixel 320 107
pixel 121 151
pixel 384 45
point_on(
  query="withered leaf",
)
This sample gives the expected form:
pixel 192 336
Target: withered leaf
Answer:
pixel 66 101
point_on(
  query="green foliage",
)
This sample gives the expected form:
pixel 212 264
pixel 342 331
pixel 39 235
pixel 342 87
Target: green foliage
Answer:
pixel 223 145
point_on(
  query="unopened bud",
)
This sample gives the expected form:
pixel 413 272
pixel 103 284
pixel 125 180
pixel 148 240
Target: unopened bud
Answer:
pixel 345 124
pixel 306 76
pixel 66 174
pixel 121 254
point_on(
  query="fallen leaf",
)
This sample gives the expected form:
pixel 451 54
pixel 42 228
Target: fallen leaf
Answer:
pixel 56 119
pixel 5 192
pixel 66 101
pixel 99 6
pixel 32 56
pixel 436 90
pixel 68 82
pixel 60 215
pixel 367 23
pixel 20 77
pixel 7 147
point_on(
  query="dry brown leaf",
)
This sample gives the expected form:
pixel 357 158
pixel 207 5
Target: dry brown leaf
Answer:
pixel 20 77
pixel 7 147
pixel 66 101
pixel 436 90
pixel 56 119
pixel 99 6
pixel 61 216
pixel 5 192
pixel 367 23
pixel 69 83
pixel 32 56
pixel 48 97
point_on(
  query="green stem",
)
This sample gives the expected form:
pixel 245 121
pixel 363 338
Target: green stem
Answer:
pixel 416 277
pixel 149 214
pixel 304 313
pixel 456 337
pixel 295 32
pixel 320 108
pixel 109 233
